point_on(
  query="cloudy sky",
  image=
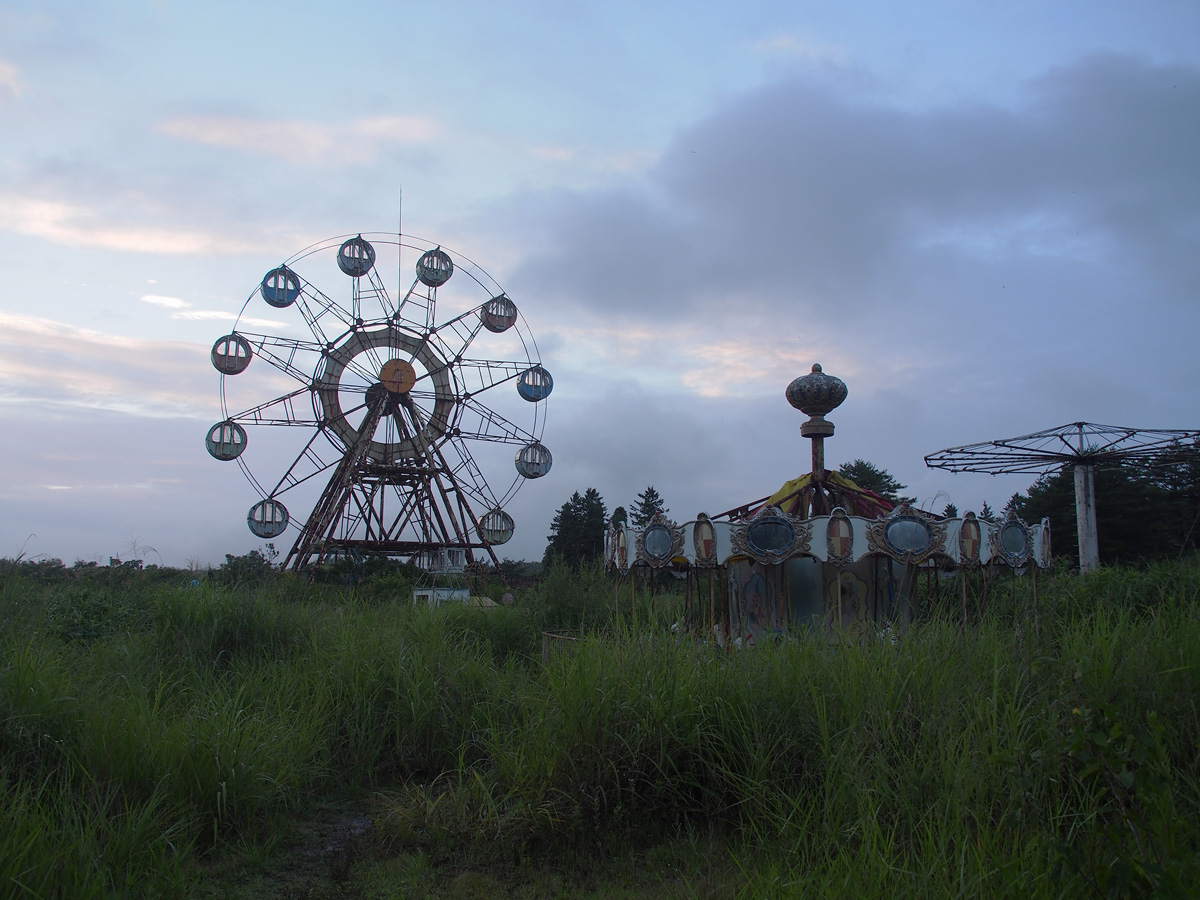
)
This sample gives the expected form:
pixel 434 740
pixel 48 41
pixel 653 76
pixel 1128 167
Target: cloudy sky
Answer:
pixel 982 217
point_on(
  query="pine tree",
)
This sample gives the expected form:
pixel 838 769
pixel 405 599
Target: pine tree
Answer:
pixel 595 522
pixel 619 516
pixel 1013 504
pixel 985 513
pixel 951 511
pixel 870 477
pixel 648 504
pixel 577 530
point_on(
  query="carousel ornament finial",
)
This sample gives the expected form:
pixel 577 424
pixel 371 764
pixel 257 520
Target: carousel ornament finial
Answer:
pixel 816 395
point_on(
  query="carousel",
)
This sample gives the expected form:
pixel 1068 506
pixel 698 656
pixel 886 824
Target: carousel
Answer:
pixel 820 554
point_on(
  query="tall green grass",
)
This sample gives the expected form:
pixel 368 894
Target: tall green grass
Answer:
pixel 1047 749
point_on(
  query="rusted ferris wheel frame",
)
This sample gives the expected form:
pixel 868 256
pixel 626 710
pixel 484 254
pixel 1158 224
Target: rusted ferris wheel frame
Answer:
pixel 391 398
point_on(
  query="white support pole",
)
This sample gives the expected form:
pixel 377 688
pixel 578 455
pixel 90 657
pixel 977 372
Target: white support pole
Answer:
pixel 1085 516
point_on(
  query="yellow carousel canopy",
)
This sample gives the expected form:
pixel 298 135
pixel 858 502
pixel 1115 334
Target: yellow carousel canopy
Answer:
pixel 795 498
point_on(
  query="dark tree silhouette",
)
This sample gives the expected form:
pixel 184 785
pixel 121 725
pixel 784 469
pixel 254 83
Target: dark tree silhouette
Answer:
pixel 870 477
pixel 644 508
pixel 577 530
pixel 1144 510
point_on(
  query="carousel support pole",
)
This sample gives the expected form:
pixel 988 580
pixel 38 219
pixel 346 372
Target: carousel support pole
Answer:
pixel 634 595
pixel 963 578
pixel 785 599
pixel 839 597
pixel 691 604
pixel 820 499
pixel 985 593
pixel 712 605
pixel 1037 622
pixel 1085 516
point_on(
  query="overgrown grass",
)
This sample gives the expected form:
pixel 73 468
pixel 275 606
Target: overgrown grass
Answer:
pixel 1049 748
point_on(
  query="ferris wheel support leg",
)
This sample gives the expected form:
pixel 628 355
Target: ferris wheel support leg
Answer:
pixel 1085 516
pixel 325 516
pixel 437 463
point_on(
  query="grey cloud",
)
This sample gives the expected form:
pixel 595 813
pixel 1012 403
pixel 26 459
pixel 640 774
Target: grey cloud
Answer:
pixel 797 193
pixel 974 271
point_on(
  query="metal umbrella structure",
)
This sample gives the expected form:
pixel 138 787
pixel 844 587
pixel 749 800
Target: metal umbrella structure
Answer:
pixel 386 402
pixel 1080 444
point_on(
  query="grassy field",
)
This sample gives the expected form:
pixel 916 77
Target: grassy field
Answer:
pixel 165 734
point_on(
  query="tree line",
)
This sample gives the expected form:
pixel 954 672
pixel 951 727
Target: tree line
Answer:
pixel 1145 510
pixel 577 529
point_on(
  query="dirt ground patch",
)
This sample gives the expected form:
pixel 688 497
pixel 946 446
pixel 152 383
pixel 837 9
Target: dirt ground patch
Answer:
pixel 313 860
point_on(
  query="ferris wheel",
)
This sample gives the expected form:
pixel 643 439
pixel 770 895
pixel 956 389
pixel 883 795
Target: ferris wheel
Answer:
pixel 395 410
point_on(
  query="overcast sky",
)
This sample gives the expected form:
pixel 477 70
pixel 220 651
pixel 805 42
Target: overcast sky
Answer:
pixel 982 217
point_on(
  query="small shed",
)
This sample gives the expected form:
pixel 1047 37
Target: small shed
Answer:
pixel 436 596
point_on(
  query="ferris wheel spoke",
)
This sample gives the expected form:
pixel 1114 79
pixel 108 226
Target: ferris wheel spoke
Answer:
pixel 485 374
pixel 432 347
pixel 364 374
pixel 466 468
pixel 417 307
pixel 282 353
pixel 462 329
pixel 480 423
pixel 424 399
pixel 280 411
pixel 425 406
pixel 347 416
pixel 315 306
pixel 377 354
pixel 307 465
pixel 380 292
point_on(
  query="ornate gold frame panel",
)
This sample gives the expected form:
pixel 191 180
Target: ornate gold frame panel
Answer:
pixel 1012 541
pixel 704 542
pixel 970 540
pixel 771 537
pixel 839 537
pixel 660 542
pixel 907 536
pixel 618 543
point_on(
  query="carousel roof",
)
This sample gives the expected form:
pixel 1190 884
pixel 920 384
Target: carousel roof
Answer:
pixel 795 498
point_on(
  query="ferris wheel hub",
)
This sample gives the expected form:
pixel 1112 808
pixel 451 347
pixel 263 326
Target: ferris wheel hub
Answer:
pixel 398 376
